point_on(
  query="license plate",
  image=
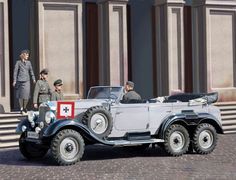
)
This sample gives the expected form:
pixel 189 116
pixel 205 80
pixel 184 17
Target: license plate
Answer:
pixel 32 135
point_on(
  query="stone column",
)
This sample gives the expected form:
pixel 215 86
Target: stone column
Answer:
pixel 113 63
pixel 4 57
pixel 61 43
pixel 214 56
pixel 169 46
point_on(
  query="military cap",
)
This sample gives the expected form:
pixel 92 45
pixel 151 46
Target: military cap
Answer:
pixel 58 82
pixel 130 83
pixel 25 51
pixel 44 71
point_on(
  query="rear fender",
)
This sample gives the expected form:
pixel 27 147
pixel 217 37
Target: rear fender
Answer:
pixel 192 119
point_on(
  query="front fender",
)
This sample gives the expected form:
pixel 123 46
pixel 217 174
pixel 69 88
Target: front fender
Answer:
pixel 71 124
pixel 55 127
pixel 23 122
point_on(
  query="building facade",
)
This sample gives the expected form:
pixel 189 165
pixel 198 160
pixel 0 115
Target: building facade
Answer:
pixel 164 46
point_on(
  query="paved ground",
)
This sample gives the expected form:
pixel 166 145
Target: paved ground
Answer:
pixel 115 163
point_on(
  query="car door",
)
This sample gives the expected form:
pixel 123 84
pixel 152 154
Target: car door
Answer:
pixel 131 117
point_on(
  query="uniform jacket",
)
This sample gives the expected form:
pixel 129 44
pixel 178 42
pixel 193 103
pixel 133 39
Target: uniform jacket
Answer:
pixel 131 95
pixel 42 92
pixel 23 71
pixel 57 96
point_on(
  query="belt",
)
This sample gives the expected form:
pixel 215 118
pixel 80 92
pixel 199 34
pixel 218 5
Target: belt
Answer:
pixel 43 93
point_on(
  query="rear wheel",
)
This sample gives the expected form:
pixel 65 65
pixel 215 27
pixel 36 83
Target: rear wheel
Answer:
pixel 30 150
pixel 67 147
pixel 205 138
pixel 176 140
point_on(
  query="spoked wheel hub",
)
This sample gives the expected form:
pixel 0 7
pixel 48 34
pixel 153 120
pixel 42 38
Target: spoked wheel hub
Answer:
pixel 205 139
pixel 177 141
pixel 99 123
pixel 69 148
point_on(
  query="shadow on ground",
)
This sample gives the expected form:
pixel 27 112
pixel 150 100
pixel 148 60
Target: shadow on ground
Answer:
pixel 92 153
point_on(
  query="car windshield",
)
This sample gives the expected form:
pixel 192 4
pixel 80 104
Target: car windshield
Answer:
pixel 104 92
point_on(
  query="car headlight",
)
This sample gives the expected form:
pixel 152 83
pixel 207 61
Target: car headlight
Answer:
pixel 23 128
pixel 31 116
pixel 37 130
pixel 32 124
pixel 49 117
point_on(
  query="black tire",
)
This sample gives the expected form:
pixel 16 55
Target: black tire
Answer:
pixel 205 138
pixel 30 150
pixel 67 147
pixel 99 117
pixel 176 140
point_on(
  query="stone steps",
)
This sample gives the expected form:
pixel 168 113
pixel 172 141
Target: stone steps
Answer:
pixel 229 122
pixel 9 144
pixel 228 115
pixel 8 124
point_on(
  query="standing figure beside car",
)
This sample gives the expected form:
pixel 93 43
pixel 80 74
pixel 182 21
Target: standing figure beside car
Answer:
pixel 130 93
pixel 42 91
pixel 57 94
pixel 22 72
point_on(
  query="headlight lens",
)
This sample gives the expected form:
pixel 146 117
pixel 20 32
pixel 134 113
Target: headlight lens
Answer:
pixel 32 124
pixel 37 130
pixel 49 117
pixel 31 116
pixel 23 128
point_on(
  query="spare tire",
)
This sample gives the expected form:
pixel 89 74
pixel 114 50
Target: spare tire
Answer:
pixel 99 121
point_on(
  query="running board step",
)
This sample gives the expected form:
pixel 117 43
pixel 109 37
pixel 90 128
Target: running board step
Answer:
pixel 137 142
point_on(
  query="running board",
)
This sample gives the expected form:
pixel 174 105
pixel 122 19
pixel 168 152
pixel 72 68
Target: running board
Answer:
pixel 137 142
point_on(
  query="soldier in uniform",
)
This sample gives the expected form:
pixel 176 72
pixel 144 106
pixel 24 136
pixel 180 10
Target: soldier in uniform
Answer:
pixel 42 91
pixel 57 95
pixel 130 93
pixel 21 79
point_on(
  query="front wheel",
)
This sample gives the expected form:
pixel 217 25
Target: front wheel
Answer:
pixel 30 150
pixel 176 140
pixel 204 139
pixel 67 147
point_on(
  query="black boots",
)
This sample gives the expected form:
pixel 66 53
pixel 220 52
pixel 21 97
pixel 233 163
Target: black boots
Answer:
pixel 23 111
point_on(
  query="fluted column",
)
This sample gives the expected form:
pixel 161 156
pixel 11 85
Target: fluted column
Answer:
pixel 113 65
pixel 4 57
pixel 169 46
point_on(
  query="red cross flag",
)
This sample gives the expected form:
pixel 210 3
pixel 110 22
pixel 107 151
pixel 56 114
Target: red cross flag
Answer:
pixel 65 110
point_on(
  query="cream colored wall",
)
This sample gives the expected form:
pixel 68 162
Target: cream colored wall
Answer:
pixel 61 46
pixel 61 43
pixel 214 47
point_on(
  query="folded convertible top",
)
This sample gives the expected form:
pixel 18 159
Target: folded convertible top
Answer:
pixel 185 97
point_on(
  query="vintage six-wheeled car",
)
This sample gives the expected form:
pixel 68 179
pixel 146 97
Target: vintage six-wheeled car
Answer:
pixel 175 122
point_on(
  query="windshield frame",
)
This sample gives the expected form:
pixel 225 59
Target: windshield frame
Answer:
pixel 121 92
